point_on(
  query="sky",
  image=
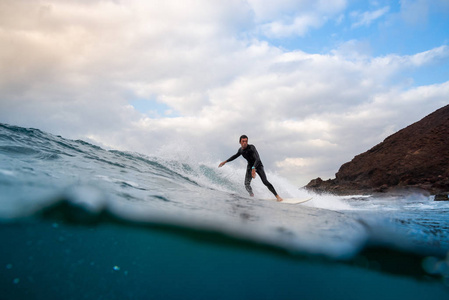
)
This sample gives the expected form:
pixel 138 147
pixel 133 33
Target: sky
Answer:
pixel 311 82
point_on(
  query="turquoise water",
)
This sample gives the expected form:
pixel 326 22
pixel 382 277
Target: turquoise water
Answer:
pixel 81 222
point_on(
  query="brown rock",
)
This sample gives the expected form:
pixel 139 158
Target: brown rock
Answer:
pixel 414 158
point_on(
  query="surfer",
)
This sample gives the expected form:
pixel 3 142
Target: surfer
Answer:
pixel 254 166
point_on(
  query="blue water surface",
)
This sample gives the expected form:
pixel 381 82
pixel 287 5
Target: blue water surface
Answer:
pixel 82 222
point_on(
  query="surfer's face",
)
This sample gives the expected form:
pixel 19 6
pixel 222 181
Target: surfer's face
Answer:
pixel 244 143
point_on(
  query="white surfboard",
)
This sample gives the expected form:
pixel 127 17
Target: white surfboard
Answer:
pixel 292 200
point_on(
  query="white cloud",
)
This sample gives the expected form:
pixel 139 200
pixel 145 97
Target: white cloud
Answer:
pixel 368 17
pixel 299 26
pixel 285 18
pixel 73 68
pixel 292 161
pixel 430 57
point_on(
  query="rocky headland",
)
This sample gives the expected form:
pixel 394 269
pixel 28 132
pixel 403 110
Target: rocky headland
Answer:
pixel 414 159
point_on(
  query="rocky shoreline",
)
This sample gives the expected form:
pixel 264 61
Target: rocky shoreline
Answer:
pixel 413 160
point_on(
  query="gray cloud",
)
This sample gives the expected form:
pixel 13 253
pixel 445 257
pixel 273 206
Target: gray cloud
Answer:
pixel 74 67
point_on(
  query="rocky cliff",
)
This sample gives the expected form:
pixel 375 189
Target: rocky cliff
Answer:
pixel 414 158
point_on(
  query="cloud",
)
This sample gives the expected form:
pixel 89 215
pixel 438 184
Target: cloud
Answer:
pixel 286 18
pixel 311 117
pixel 368 17
pixel 298 26
pixel 75 69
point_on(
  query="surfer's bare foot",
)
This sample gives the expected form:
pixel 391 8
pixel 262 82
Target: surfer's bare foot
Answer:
pixel 251 195
pixel 278 198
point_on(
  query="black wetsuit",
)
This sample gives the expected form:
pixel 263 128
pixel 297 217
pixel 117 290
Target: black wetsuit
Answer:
pixel 251 155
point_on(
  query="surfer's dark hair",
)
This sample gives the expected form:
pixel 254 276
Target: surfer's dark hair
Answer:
pixel 243 137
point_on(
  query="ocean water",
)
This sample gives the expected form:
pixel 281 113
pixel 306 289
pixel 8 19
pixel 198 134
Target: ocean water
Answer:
pixel 81 222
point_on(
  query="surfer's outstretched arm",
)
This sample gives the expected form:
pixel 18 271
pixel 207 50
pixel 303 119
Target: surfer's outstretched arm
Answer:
pixel 230 159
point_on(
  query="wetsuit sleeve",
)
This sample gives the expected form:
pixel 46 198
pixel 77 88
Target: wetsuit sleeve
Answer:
pixel 256 157
pixel 234 156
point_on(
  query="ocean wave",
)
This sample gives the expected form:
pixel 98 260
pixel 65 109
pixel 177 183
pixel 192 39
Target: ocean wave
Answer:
pixel 79 182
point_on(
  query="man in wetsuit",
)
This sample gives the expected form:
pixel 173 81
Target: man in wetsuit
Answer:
pixel 249 152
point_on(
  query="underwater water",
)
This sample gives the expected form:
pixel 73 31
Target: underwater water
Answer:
pixel 81 222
